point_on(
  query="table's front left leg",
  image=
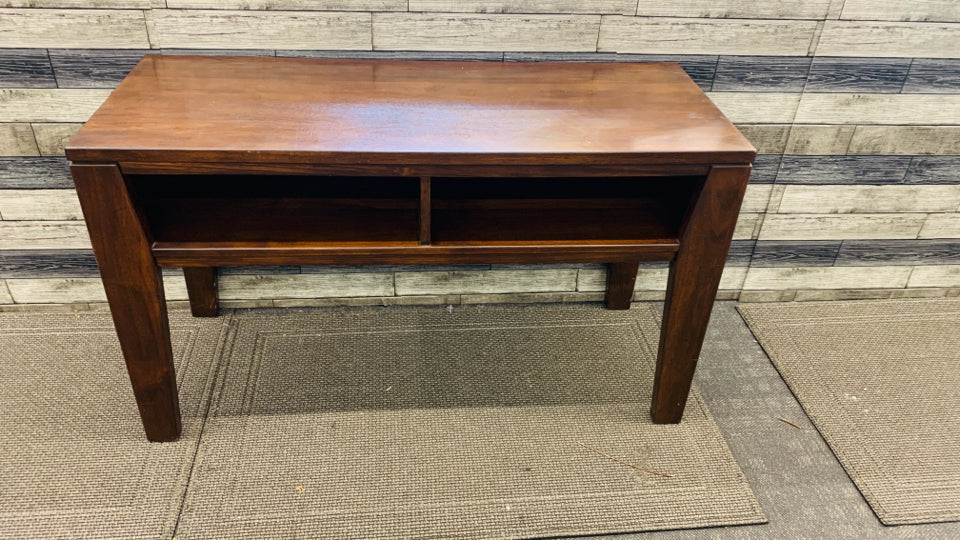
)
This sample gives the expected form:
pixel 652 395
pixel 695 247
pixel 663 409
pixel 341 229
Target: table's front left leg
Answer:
pixel 135 292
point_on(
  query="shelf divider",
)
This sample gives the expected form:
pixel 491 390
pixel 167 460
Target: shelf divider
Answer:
pixel 425 210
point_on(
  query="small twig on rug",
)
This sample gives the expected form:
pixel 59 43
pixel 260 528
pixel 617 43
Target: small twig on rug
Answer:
pixel 622 462
pixel 785 421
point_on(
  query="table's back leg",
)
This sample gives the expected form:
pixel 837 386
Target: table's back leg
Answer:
pixel 202 290
pixel 621 278
pixel 135 292
pixel 692 287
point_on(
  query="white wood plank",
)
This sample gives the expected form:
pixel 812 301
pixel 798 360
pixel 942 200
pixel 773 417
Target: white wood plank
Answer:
pixel 827 277
pixel 868 199
pixel 39 204
pixel 298 5
pixel 65 290
pixel 65 28
pixel 90 4
pixel 767 138
pixel 730 9
pixel 901 10
pixel 837 227
pixel 17 140
pixel 756 198
pixel 217 29
pixel 653 279
pixel 941 226
pixel 489 281
pixel 470 32
pixel 43 235
pixel 5 297
pixel 947 275
pixel 705 36
pixel 622 7
pixel 747 226
pixel 247 287
pixel 50 105
pixel 756 107
pixel 922 109
pixel 883 39
pixel 905 140
pixel 51 137
pixel 819 139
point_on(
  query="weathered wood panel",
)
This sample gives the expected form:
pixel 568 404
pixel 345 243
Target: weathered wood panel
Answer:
pixel 34 173
pixel 839 227
pixel 654 279
pixel 92 4
pixel 493 281
pixel 898 252
pixel 905 140
pixel 17 140
pixel 731 9
pixel 935 276
pixel 754 200
pixel 51 137
pixel 49 263
pixel 941 226
pixel 107 28
pixel 761 73
pixel 740 252
pixel 869 199
pixel 5 297
pixel 819 139
pixel 794 253
pixel 39 204
pixel 757 107
pixel 622 7
pixel 43 235
pixel 878 109
pixel 767 138
pixel 933 76
pixel 879 39
pixel 834 170
pixel 700 67
pixel 747 226
pixel 466 32
pixel 243 287
pixel 257 30
pixel 53 105
pixel 26 68
pixel 765 169
pixel 901 10
pixel 834 277
pixel 62 290
pixel 304 5
pixel 93 68
pixel 705 36
pixel 869 75
pixel 934 170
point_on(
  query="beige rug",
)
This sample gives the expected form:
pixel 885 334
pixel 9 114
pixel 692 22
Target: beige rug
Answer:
pixel 473 422
pixel 881 381
pixel 74 462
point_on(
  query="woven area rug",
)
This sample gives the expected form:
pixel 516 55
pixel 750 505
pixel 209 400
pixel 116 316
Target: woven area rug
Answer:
pixel 74 462
pixel 468 422
pixel 881 381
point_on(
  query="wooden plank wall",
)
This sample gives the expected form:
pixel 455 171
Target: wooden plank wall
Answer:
pixel 854 105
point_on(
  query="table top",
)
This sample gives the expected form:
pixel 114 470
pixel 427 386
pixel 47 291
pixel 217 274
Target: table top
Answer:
pixel 303 110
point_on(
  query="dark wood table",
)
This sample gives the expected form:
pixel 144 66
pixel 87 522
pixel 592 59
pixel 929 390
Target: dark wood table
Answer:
pixel 199 162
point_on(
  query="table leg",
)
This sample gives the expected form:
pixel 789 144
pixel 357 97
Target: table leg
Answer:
pixel 202 290
pixel 134 290
pixel 692 287
pixel 621 277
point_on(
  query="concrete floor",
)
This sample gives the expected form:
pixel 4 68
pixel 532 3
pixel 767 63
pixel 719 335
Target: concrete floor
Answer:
pixel 801 486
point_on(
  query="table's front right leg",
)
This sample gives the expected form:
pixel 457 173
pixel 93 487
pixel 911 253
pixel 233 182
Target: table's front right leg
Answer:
pixel 135 292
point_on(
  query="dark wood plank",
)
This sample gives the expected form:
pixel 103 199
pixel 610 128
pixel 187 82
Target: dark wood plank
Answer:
pixel 794 253
pixel 933 170
pixel 933 76
pixel 866 170
pixel 765 169
pixel 692 288
pixel 94 68
pixel 700 68
pixel 26 68
pixel 621 279
pixel 873 75
pixel 134 290
pixel 33 172
pixel 404 112
pixel 761 73
pixel 898 252
pixel 202 290
pixel 741 251
pixel 426 209
pixel 49 263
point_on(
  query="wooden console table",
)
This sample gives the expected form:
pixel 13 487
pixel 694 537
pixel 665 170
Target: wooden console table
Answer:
pixel 199 162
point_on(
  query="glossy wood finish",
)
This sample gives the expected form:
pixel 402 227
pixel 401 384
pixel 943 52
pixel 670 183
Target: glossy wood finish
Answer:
pixel 202 162
pixel 135 292
pixel 692 287
pixel 302 110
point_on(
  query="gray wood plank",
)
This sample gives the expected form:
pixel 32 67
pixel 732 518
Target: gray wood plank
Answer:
pixel 898 252
pixel 94 68
pixel 30 172
pixel 765 169
pixel 934 170
pixel 26 68
pixel 870 170
pixel 35 263
pixel 761 73
pixel 876 75
pixel 741 251
pixel 794 253
pixel 933 76
pixel 700 67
